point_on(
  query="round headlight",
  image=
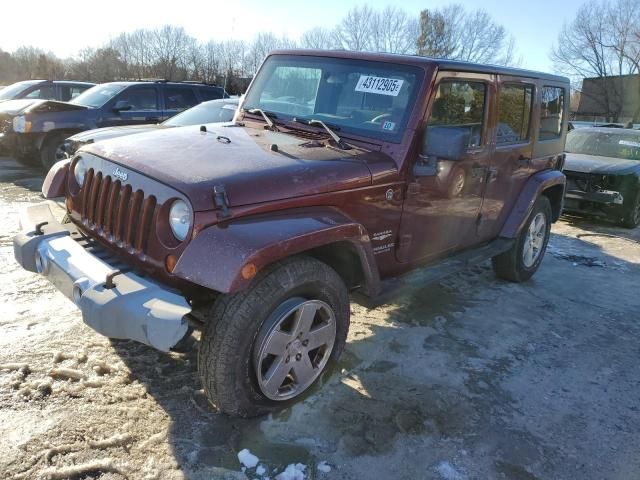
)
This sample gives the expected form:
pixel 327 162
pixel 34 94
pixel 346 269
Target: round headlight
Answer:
pixel 79 171
pixel 180 219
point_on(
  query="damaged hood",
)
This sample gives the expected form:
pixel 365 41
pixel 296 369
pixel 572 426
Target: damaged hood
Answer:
pixel 253 165
pixel 15 107
pixel 578 162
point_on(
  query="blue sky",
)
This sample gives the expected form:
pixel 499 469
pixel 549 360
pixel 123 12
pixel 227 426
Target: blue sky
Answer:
pixel 64 28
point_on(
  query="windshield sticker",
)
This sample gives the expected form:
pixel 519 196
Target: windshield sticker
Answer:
pixel 389 126
pixel 629 143
pixel 379 85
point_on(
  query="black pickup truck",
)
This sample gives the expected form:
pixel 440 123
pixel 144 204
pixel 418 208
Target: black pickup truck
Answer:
pixel 35 130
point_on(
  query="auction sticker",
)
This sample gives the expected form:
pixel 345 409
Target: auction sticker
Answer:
pixel 379 85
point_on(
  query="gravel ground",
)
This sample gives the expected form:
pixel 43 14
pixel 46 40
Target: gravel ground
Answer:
pixel 469 378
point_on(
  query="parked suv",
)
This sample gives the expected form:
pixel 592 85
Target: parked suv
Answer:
pixel 62 90
pixel 38 128
pixel 343 173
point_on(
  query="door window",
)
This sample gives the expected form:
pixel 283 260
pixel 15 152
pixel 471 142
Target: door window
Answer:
pixel 140 98
pixel 460 104
pixel 551 110
pixel 514 113
pixel 46 92
pixel 69 92
pixel 179 98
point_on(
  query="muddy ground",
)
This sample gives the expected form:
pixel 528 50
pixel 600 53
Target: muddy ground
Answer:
pixel 472 378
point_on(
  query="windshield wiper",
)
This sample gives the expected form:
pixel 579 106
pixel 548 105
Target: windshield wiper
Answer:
pixel 330 130
pixel 265 115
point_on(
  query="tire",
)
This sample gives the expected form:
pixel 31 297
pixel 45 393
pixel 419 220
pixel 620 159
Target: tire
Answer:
pixel 631 217
pixel 50 152
pixel 241 327
pixel 512 265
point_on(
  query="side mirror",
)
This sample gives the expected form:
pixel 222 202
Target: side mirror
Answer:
pixel 121 106
pixel 447 143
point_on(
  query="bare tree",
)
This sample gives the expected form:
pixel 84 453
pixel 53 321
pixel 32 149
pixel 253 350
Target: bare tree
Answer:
pixel 600 44
pixel 318 38
pixel 452 32
pixel 354 31
pixel 392 30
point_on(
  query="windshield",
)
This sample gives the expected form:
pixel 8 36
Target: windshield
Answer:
pixel 16 89
pixel 622 144
pixel 99 95
pixel 372 99
pixel 207 112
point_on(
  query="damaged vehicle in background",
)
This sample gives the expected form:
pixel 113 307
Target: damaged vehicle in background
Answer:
pixel 35 130
pixel 327 187
pixel 214 111
pixel 603 174
pixel 62 90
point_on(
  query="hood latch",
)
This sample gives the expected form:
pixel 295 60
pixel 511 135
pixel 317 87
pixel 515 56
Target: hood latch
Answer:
pixel 221 201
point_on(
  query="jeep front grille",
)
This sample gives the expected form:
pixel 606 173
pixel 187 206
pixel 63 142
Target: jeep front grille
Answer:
pixel 115 212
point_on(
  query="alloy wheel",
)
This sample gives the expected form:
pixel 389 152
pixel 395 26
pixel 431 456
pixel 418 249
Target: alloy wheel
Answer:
pixel 534 241
pixel 293 347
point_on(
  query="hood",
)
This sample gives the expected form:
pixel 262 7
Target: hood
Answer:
pixel 241 160
pixel 578 162
pixel 106 133
pixel 14 107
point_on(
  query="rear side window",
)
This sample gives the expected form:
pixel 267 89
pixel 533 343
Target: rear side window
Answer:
pixel 514 113
pixel 460 104
pixel 179 98
pixel 210 93
pixel 551 110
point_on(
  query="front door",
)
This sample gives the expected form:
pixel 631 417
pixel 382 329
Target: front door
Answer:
pixel 443 202
pixel 142 106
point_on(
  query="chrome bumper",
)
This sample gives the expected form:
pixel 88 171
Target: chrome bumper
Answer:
pixel 127 307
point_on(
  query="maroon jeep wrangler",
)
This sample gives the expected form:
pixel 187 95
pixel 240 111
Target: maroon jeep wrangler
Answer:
pixel 341 174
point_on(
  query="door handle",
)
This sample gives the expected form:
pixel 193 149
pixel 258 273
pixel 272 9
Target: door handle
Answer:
pixel 523 161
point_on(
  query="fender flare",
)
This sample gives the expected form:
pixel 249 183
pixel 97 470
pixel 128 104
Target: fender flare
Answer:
pixel 537 185
pixel 215 258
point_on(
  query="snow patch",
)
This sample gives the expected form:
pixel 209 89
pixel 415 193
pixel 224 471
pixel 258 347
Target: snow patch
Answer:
pixel 448 472
pixel 261 470
pixel 247 458
pixel 293 472
pixel 324 467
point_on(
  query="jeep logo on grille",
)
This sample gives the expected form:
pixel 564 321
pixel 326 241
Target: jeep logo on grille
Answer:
pixel 120 174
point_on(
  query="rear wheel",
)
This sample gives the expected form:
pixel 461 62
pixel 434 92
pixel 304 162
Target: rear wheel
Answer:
pixel 519 263
pixel 52 150
pixel 262 349
pixel 631 217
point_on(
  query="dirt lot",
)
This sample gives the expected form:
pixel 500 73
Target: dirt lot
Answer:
pixel 470 378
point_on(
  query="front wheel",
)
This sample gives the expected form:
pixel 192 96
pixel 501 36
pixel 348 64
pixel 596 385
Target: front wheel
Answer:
pixel 52 150
pixel 522 260
pixel 631 217
pixel 262 349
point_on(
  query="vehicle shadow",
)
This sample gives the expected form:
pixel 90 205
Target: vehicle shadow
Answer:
pixel 434 369
pixel 601 226
pixel 20 175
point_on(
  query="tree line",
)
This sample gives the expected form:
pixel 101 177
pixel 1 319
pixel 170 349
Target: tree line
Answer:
pixel 169 52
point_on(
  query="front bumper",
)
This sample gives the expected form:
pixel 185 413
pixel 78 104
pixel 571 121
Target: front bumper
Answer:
pixel 127 307
pixel 605 197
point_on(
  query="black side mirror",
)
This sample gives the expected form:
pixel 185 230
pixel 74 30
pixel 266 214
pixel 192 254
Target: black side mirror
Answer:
pixel 447 143
pixel 121 106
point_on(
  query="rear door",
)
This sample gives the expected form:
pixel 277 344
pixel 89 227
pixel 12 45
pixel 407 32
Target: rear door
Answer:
pixel 441 208
pixel 511 163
